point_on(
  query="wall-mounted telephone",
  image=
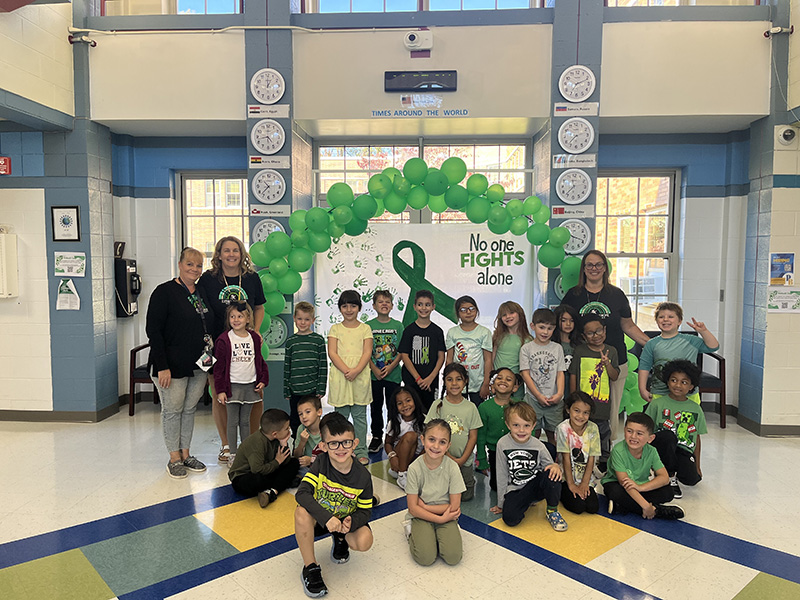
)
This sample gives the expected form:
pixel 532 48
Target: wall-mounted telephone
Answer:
pixel 129 286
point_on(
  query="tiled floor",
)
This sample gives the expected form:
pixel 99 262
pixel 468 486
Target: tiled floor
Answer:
pixel 87 511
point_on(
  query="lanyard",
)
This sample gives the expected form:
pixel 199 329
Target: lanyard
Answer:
pixel 200 308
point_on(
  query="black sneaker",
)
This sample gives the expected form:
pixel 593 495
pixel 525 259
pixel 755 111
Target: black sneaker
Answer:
pixel 676 489
pixel 313 585
pixel 340 550
pixel 375 445
pixel 671 512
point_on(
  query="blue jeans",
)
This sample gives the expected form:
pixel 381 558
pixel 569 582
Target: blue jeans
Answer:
pixel 359 414
pixel 178 404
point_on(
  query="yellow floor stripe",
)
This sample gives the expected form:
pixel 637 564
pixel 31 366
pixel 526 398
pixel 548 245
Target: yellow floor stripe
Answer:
pixel 588 536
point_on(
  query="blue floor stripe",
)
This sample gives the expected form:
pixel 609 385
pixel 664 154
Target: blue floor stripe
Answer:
pixel 581 574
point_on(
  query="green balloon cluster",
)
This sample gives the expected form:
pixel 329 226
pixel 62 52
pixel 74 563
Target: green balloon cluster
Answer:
pixel 284 257
pixel 631 399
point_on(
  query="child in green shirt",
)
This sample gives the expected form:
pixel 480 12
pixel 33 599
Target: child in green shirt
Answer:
pixel 503 382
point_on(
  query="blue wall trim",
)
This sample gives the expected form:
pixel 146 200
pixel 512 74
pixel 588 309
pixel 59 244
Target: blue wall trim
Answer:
pixel 685 13
pixel 786 181
pixel 169 22
pixel 530 16
pixel 18 109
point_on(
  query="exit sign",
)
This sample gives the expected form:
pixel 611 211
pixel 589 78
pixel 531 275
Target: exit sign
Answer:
pixel 5 165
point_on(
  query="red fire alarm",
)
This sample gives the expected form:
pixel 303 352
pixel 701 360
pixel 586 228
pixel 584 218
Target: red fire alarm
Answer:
pixel 5 165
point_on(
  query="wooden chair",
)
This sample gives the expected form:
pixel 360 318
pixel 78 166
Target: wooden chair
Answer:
pixel 139 374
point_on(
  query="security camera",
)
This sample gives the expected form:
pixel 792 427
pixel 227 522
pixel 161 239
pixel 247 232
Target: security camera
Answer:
pixel 418 40
pixel 787 135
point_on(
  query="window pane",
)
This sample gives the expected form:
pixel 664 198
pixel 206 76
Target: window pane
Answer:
pixel 326 180
pixel 600 234
pixel 602 192
pixel 450 216
pixel 401 5
pixel 200 233
pixel 367 5
pixel 196 203
pixel 487 157
pixel 466 153
pixel 358 181
pixel 652 234
pixel 654 195
pixel 380 157
pixel 220 7
pixel 621 235
pixel 445 5
pixel 331 157
pixel 356 158
pixel 403 153
pixel 622 195
pixel 436 155
pixel 513 3
pixel 334 6
pixel 512 157
pixel 229 226
pixel 514 183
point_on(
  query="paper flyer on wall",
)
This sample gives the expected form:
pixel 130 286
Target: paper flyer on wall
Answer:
pixel 784 300
pixel 68 298
pixel 70 263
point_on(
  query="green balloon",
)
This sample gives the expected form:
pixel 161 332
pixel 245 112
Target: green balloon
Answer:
pixel 519 225
pixel 259 254
pixel 356 227
pixel 365 207
pixel 455 169
pixel 559 236
pixel 550 256
pixel 300 260
pixel 401 186
pixel 391 173
pixel 632 381
pixel 436 182
pixel 290 282
pixel 317 219
pixel 335 230
pixel 571 267
pixel 265 347
pixel 278 266
pixel 531 205
pixel 418 197
pixel 538 234
pixel 514 207
pixel 633 362
pixel 415 170
pixel 297 220
pixel 339 194
pixel 567 283
pixel 394 204
pixel 268 281
pixel 381 208
pixel 299 238
pixel 495 193
pixel 456 197
pixel 498 214
pixel 542 215
pixel 342 215
pixel 278 243
pixel 478 209
pixel 274 303
pixel 378 185
pixel 477 184
pixel 319 241
pixel 499 228
pixel 629 343
pixel 437 204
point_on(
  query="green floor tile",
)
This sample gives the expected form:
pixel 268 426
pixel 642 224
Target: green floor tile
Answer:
pixel 65 576
pixel 131 562
pixel 768 586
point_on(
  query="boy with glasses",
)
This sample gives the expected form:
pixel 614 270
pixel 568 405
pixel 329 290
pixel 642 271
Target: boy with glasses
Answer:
pixel 594 366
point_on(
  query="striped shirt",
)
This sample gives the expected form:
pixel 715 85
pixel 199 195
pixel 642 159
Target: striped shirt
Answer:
pixel 305 368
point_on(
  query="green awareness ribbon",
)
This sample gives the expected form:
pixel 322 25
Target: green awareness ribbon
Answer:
pixel 414 277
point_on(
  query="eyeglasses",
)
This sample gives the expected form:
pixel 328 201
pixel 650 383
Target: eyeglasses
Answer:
pixel 597 333
pixel 594 266
pixel 466 309
pixel 346 444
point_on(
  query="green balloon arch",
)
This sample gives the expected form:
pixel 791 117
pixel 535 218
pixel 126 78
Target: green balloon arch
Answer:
pixel 283 257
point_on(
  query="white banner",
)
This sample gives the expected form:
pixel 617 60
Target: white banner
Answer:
pixel 451 260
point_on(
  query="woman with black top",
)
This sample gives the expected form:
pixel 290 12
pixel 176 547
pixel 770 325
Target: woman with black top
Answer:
pixel 595 295
pixel 231 279
pixel 179 329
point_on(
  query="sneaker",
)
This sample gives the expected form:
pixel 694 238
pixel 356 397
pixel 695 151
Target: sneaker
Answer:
pixel 676 489
pixel 393 473
pixel 402 477
pixel 669 511
pixel 313 585
pixel 176 470
pixel 556 521
pixel 340 550
pixel 375 500
pixel 266 497
pixel 194 465
pixel 611 507
pixel 375 445
pixel 407 528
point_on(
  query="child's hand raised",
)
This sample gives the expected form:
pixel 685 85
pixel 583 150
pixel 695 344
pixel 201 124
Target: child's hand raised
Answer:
pixel 304 435
pixel 698 326
pixel 604 358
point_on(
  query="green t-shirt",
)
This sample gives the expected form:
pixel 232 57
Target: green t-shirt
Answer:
pixel 434 486
pixel 507 353
pixel 385 342
pixel 659 351
pixel 311 444
pixel 494 427
pixel 684 418
pixel 462 418
pixel 638 470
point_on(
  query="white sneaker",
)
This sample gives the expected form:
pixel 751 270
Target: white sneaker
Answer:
pixel 401 480
pixel 407 528
pixel 393 473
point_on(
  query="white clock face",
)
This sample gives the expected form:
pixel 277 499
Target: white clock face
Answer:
pixel 576 135
pixel 268 186
pixel 558 289
pixel 277 333
pixel 580 236
pixel 573 186
pixel 576 83
pixel 268 136
pixel 263 228
pixel 267 86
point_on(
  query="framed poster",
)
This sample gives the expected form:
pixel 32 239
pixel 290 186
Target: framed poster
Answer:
pixel 66 223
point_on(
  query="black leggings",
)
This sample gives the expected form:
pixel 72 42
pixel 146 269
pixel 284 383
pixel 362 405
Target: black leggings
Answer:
pixel 251 484
pixel 677 460
pixel 578 505
pixel 624 503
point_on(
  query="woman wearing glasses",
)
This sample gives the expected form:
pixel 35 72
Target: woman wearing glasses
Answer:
pixel 595 295
pixel 179 328
pixel 231 279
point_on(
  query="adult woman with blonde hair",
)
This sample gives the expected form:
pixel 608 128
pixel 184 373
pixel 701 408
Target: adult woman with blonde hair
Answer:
pixel 231 279
pixel 178 326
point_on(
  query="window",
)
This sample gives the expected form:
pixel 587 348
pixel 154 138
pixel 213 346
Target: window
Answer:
pixel 214 207
pixel 634 229
pixel 377 6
